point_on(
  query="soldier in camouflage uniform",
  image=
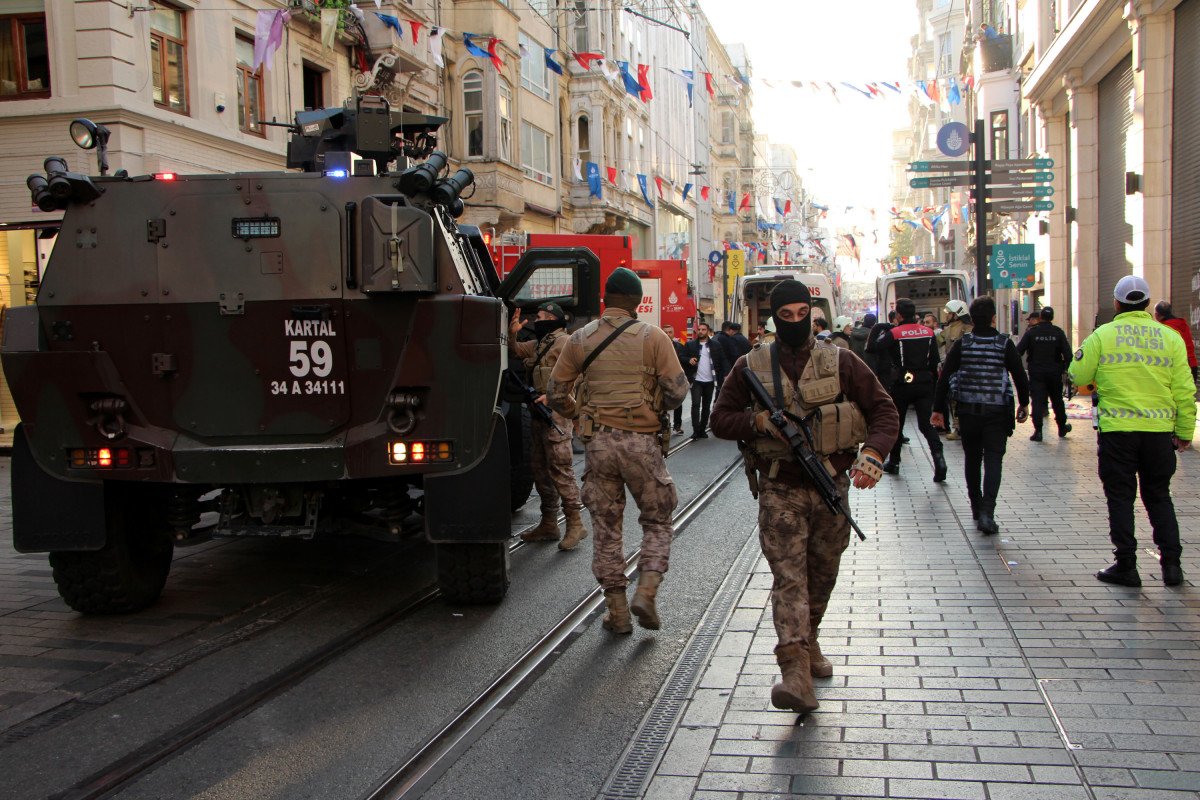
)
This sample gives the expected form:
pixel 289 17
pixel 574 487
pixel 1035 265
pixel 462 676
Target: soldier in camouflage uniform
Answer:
pixel 803 541
pixel 628 378
pixel 552 460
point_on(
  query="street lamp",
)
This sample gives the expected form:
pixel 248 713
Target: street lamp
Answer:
pixel 87 135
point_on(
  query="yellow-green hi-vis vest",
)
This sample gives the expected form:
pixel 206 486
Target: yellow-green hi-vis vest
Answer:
pixel 835 426
pixel 1140 370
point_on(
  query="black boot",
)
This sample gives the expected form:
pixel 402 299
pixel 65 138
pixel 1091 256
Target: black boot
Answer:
pixel 1172 573
pixel 974 509
pixel 1063 429
pixel 984 522
pixel 1122 572
pixel 939 468
pixel 891 466
pixel 1037 435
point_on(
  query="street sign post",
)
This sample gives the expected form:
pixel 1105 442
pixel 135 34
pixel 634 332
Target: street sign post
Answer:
pixel 940 180
pixel 1011 266
pixel 1020 191
pixel 1009 206
pixel 1022 177
pixel 938 166
pixel 1021 163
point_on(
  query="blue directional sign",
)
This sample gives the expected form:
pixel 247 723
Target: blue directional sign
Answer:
pixel 1011 266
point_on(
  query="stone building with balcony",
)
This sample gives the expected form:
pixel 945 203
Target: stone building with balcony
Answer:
pixel 1109 92
pixel 173 82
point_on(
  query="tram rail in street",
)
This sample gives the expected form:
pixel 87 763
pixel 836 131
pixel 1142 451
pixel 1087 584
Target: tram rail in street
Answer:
pixel 428 763
pixel 124 771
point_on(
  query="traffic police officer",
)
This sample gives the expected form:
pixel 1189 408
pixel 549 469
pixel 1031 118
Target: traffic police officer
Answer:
pixel 977 368
pixel 553 470
pixel 1146 412
pixel 1048 353
pixel 629 377
pixel 912 350
pixel 801 538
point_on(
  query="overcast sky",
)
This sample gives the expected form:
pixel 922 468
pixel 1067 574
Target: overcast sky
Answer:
pixel 846 145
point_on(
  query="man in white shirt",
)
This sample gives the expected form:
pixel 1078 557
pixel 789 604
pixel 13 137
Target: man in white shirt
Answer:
pixel 709 362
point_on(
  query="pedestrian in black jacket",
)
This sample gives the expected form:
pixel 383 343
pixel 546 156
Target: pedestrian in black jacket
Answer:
pixel 980 364
pixel 708 359
pixel 1048 354
pixel 737 345
pixel 688 370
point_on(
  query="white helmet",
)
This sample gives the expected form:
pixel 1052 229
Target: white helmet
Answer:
pixel 841 323
pixel 956 307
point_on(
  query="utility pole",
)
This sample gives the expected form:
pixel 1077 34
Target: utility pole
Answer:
pixel 981 205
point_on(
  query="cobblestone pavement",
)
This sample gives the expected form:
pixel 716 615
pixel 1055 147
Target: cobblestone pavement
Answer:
pixel 968 667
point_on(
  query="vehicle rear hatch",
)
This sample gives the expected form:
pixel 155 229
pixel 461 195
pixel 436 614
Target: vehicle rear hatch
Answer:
pixel 250 287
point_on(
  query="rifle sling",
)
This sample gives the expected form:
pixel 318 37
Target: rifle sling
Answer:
pixel 612 337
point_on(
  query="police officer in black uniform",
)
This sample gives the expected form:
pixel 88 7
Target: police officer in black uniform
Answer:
pixel 983 359
pixel 912 351
pixel 1048 354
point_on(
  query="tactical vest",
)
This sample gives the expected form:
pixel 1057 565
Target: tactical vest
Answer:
pixel 609 383
pixel 541 365
pixel 982 376
pixel 837 425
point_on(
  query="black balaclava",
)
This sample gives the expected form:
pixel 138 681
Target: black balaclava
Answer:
pixel 793 334
pixel 542 327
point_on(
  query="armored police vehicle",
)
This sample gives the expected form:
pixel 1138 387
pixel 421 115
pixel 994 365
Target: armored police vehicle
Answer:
pixel 284 354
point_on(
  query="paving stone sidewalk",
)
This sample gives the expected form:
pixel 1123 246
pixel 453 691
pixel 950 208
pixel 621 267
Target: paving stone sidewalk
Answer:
pixel 968 667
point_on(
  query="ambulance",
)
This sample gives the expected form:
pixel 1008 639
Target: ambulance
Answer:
pixel 752 298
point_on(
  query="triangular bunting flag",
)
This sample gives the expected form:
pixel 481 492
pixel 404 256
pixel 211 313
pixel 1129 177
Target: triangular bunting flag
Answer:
pixel 708 84
pixel 551 64
pixel 641 179
pixel 745 204
pixel 658 183
pixel 493 54
pixel 687 187
pixel 704 190
pixel 473 48
pixel 593 179
pixel 631 84
pixel 612 175
pixel 689 76
pixel 585 59
pixel 577 165
pixel 415 27
pixel 644 80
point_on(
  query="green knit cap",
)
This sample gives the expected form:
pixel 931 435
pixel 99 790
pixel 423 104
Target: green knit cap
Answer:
pixel 623 281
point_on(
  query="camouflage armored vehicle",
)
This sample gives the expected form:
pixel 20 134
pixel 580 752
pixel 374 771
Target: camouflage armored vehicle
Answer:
pixel 294 353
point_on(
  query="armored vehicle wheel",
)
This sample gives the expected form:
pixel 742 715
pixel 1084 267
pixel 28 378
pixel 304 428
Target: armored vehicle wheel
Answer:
pixel 129 572
pixel 471 573
pixel 520 439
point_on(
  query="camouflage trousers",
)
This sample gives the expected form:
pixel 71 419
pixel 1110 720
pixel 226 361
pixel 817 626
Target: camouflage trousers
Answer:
pixel 553 467
pixel 803 542
pixel 615 460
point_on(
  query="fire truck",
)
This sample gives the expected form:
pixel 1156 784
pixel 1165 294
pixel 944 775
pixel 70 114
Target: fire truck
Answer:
pixel 666 299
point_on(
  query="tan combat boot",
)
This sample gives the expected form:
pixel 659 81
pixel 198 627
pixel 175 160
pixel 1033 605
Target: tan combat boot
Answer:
pixel 643 600
pixel 795 691
pixel 818 664
pixel 617 619
pixel 546 530
pixel 576 533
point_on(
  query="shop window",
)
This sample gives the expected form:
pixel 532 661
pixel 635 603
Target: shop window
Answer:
pixel 473 112
pixel 24 57
pixel 313 78
pixel 533 68
pixel 250 88
pixel 168 57
pixel 584 137
pixel 999 121
pixel 505 113
pixel 537 154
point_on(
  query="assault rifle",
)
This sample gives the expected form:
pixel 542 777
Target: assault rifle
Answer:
pixel 799 438
pixel 530 395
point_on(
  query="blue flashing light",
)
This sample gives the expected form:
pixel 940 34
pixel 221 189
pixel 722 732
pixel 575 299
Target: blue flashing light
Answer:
pixel 336 173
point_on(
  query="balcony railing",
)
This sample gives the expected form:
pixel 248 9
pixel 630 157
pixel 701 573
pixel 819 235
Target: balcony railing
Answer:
pixel 996 55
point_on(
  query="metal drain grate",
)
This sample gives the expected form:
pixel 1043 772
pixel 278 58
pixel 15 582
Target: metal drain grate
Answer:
pixel 628 781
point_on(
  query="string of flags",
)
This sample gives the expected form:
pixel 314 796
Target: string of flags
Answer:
pixel 634 78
